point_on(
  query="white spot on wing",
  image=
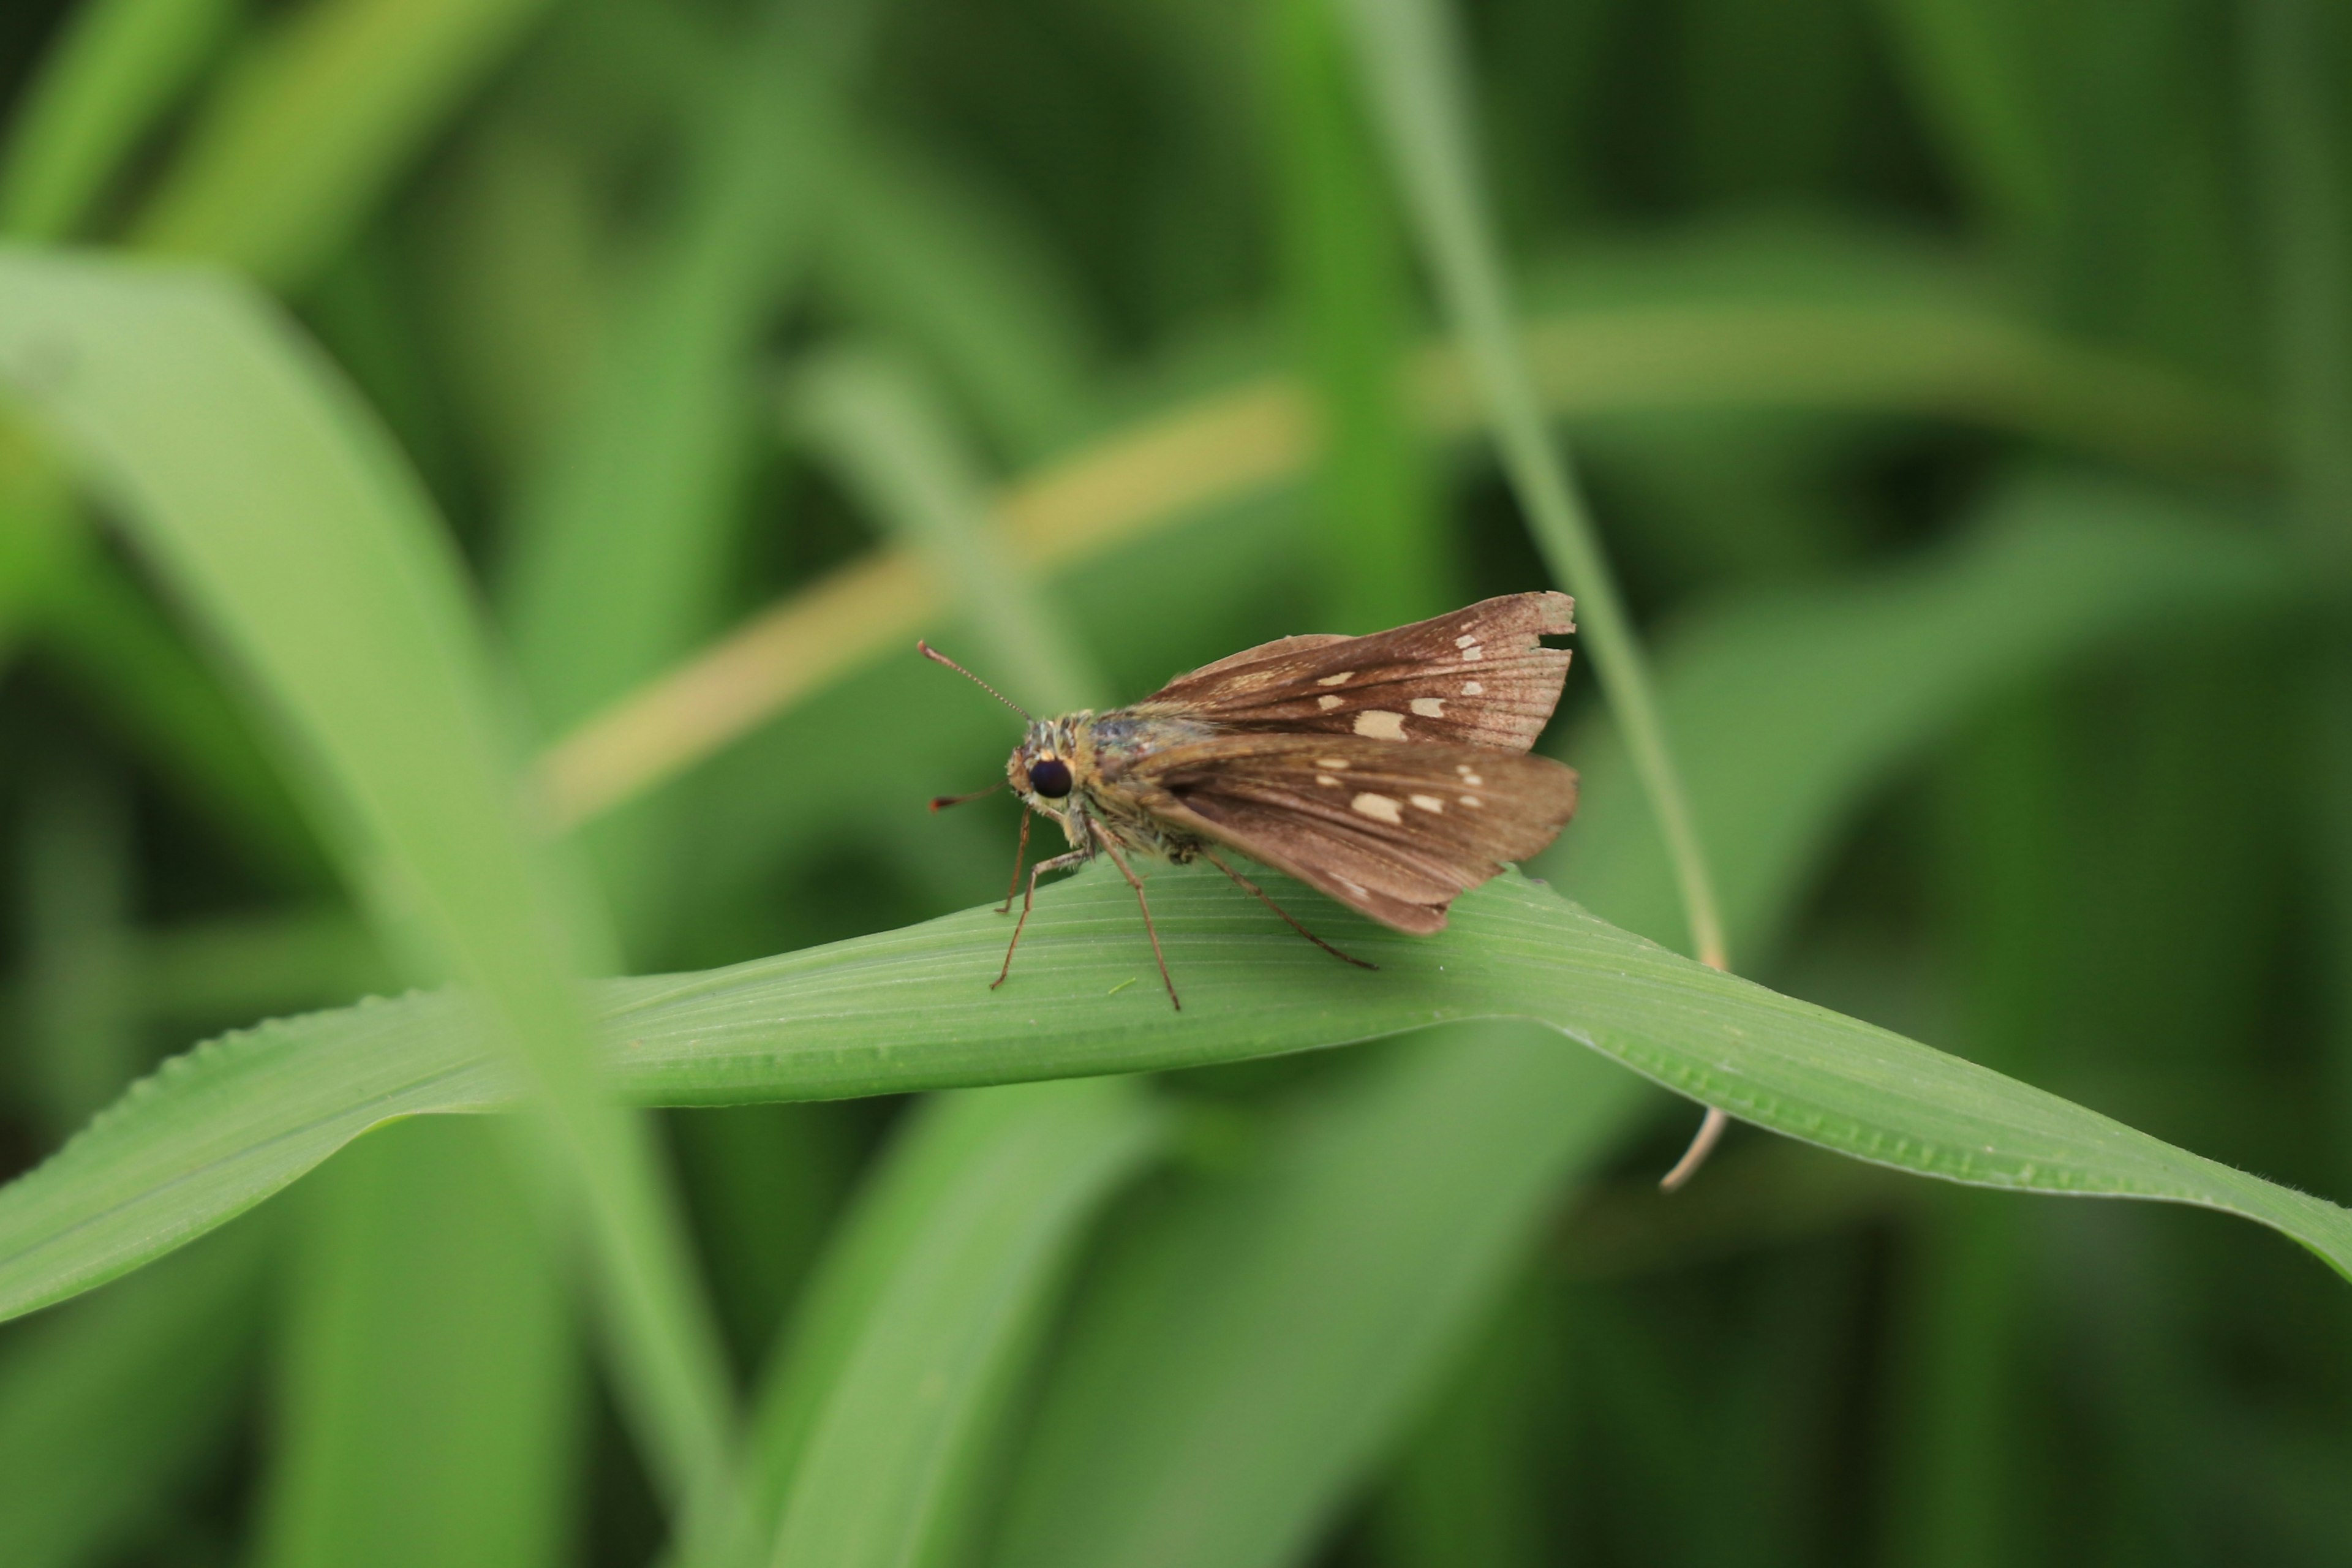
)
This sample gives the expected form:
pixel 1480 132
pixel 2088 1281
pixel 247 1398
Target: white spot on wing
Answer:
pixel 1337 764
pixel 1471 800
pixel 1429 707
pixel 1469 641
pixel 1427 802
pixel 1471 689
pixel 1379 807
pixel 1381 724
pixel 1326 703
pixel 1326 779
pixel 1473 655
pixel 1356 888
pixel 1339 680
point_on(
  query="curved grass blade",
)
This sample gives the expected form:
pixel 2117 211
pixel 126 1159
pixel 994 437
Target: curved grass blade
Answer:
pixel 286 523
pixel 221 1127
pixel 1411 59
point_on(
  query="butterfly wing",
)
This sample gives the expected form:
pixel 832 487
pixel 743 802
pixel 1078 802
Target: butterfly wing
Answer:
pixel 1474 678
pixel 1396 832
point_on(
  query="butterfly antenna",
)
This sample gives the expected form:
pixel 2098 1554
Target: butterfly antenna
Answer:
pixel 936 656
pixel 942 802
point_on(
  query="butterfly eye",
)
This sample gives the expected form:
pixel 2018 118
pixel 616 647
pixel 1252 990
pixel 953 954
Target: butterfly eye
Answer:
pixel 1050 777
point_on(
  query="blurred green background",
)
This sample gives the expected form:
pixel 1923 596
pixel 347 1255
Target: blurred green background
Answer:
pixel 1928 363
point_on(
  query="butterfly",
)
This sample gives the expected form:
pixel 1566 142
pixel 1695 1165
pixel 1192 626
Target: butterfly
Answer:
pixel 1389 772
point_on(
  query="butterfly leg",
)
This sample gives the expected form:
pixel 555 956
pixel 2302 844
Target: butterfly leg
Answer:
pixel 1059 863
pixel 1277 908
pixel 1145 904
pixel 1019 853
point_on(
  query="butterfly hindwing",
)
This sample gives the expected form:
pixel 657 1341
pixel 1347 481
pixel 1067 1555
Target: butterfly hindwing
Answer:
pixel 1394 831
pixel 1478 677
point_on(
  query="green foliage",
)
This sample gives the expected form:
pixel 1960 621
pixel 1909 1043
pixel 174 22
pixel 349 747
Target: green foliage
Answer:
pixel 560 420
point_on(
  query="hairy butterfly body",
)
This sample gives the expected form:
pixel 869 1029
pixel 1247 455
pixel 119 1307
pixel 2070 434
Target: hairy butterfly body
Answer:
pixel 1388 772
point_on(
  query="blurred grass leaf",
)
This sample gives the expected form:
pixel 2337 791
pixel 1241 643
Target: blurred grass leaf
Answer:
pixel 908 1010
pixel 115 68
pixel 1798 702
pixel 302 136
pixel 920 255
pixel 1739 320
pixel 284 519
pixel 617 553
pixel 427 1401
pixel 874 1433
pixel 868 413
pixel 106 1409
pixel 1250 1349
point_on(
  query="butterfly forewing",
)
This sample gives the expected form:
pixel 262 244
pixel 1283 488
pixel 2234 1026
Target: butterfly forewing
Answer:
pixel 1396 832
pixel 1478 677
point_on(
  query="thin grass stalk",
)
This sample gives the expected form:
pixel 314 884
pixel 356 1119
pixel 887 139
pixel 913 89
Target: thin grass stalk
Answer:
pixel 1412 62
pixel 870 417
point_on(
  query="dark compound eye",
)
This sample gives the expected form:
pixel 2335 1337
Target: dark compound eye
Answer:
pixel 1050 777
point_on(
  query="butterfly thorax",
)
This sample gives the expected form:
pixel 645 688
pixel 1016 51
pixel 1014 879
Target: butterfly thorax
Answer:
pixel 1072 769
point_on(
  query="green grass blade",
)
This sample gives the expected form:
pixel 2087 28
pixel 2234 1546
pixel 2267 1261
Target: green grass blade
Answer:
pixel 303 136
pixel 1412 60
pixel 910 1010
pixel 620 540
pixel 117 66
pixel 256 966
pixel 113 647
pixel 1250 1351
pixel 286 523
pixel 868 415
pixel 428 1399
pixel 1385 559
pixel 886 1414
pixel 916 256
pixel 107 1410
pixel 2298 147
pixel 1976 71
pixel 81 1018
pixel 1836 326
pixel 1848 680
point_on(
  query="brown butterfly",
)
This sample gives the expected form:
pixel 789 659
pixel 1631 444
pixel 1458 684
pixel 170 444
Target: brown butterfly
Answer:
pixel 1389 772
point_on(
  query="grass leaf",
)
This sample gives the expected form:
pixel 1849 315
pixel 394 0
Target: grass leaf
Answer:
pixel 929 1304
pixel 106 1408
pixel 220 1129
pixel 286 521
pixel 1248 1351
pixel 302 137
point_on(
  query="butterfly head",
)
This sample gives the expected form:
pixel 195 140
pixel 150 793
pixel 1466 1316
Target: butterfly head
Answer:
pixel 1047 766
